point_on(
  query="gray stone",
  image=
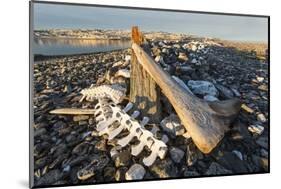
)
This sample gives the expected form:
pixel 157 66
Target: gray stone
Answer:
pixel 263 142
pixel 194 61
pixel 109 173
pixel 217 169
pixel 182 57
pixel 176 154
pixel 39 132
pixel 50 178
pixel 232 162
pixel 224 91
pixel 238 153
pixel 188 173
pixel 136 172
pixel 172 126
pixel 264 153
pixel 261 118
pixel 202 88
pixel 260 162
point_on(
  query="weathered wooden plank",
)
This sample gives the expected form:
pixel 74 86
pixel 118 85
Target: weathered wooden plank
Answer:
pixel 144 92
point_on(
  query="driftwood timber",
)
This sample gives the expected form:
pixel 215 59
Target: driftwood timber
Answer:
pixel 144 92
pixel 205 122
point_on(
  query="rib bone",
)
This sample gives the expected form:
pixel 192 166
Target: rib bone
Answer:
pixel 114 92
pixel 109 114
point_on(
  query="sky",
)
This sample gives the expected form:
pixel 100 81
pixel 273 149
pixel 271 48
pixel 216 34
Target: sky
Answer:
pixel 242 28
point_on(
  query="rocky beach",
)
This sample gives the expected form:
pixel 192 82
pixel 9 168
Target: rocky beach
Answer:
pixel 211 69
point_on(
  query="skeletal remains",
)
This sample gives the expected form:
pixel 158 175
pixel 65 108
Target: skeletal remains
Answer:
pixel 112 120
pixel 205 122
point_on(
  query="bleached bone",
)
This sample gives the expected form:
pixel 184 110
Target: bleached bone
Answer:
pixel 206 122
pixel 123 73
pixel 114 92
pixel 182 84
pixel 73 111
pixel 112 120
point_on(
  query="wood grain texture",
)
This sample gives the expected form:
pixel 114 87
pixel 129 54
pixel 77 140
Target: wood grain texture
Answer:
pixel 205 123
pixel 144 92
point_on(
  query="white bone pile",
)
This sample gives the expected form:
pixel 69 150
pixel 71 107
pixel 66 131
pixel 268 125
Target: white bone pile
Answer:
pixel 114 92
pixel 112 120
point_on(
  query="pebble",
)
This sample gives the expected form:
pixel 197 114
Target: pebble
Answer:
pixel 239 154
pixel 176 154
pixel 256 129
pixel 109 174
pixel 182 57
pixel 192 154
pixel 135 172
pixel 172 126
pixel 202 88
pixel 217 169
pixel 236 165
pixel 193 61
pixel 120 174
pixel 164 169
pixel 224 91
pixel 188 173
pixel 247 108
pixel 123 158
pixel 263 142
pixel 264 153
pixel 261 118
pixel 260 79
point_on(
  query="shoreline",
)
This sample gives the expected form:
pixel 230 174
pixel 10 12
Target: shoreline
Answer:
pixel 81 38
pixel 42 57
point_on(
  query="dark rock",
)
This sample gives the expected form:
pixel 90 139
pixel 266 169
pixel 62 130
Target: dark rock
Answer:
pixel 176 154
pixel 123 158
pixel 263 142
pixel 230 161
pixel 109 174
pixel 101 145
pixel 164 169
pixel 192 154
pixel 260 162
pixel 136 172
pixel 39 132
pixel 120 174
pixel 217 169
pixel 224 91
pixel 50 178
pixel 188 173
